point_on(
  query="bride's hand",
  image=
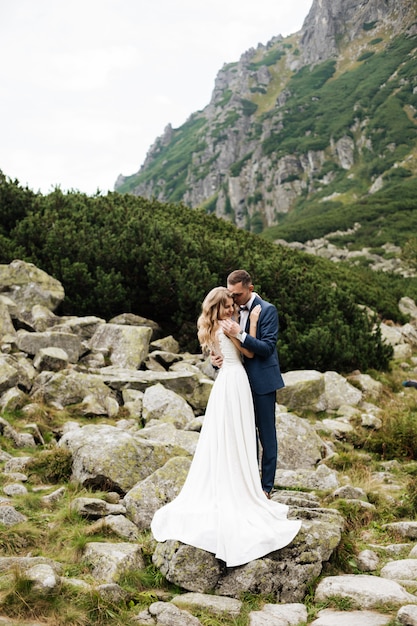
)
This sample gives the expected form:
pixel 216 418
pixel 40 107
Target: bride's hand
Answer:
pixel 230 327
pixel 255 313
pixel 222 327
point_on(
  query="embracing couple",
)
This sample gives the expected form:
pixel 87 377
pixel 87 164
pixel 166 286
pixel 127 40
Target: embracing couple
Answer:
pixel 262 368
pixel 222 507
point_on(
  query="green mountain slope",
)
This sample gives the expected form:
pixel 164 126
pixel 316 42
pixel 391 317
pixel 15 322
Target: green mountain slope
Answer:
pixel 296 150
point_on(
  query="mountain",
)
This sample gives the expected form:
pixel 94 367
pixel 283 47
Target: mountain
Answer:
pixel 314 129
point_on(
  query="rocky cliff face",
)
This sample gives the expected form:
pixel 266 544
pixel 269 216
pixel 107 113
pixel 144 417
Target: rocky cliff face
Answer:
pixel 230 158
pixel 332 23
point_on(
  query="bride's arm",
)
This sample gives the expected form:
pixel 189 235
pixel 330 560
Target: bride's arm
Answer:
pixel 253 322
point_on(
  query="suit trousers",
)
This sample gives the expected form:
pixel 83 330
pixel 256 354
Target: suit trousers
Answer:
pixel 267 436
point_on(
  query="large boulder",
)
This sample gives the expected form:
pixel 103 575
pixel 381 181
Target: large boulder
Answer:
pixel 125 346
pixel 161 487
pixel 295 434
pixel 365 591
pixel 110 561
pixel 69 387
pixel 284 574
pixel 191 386
pixel 314 391
pixel 32 342
pixel 165 405
pixel 28 285
pixel 109 458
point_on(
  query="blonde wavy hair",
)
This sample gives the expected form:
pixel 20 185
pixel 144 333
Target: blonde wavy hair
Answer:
pixel 208 321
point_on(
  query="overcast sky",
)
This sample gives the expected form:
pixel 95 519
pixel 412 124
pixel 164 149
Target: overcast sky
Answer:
pixel 88 85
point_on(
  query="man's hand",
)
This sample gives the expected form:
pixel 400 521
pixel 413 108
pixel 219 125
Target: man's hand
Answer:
pixel 216 359
pixel 230 327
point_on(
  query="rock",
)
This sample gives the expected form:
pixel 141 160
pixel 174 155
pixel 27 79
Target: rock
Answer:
pixel 407 615
pixel 112 593
pixel 338 427
pixel 401 570
pixel 15 489
pixel 126 346
pixel 166 344
pixel 20 440
pixel 161 487
pixel 295 434
pixel 83 327
pixel 9 375
pixel 215 604
pixel 110 561
pixel 119 525
pixel 368 561
pixel 408 306
pixel 371 388
pixel 51 359
pixel 13 399
pixel 161 360
pixel 9 516
pixel 6 324
pixel 67 387
pixel 32 343
pixel 137 320
pixel 104 457
pixel 165 405
pixel 166 613
pixel 339 391
pixel 329 617
pixel 311 390
pixel 91 405
pixel 323 478
pixel 166 433
pixel 44 578
pixel 186 566
pixel 192 388
pixel 39 318
pixel 391 334
pixel 350 493
pixel 13 563
pixel 111 459
pixel 54 497
pixel 279 614
pixel 28 285
pixel 303 389
pixel 404 529
pixel 365 591
pixel 402 352
pixel 133 402
pixel 285 574
pixel 94 508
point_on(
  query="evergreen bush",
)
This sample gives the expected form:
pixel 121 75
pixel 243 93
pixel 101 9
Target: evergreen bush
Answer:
pixel 121 253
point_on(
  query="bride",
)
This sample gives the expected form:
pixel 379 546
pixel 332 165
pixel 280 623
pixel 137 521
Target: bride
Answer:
pixel 222 508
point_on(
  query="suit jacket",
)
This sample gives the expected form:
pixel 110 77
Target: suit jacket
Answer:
pixel 263 369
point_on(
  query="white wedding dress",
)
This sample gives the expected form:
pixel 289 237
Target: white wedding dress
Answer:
pixel 222 508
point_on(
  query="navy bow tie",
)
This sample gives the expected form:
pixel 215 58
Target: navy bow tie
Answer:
pixel 244 308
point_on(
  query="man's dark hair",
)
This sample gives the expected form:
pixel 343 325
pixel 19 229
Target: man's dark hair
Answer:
pixel 239 276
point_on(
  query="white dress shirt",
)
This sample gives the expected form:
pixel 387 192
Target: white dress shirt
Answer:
pixel 244 314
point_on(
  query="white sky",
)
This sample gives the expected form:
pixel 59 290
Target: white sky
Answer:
pixel 88 85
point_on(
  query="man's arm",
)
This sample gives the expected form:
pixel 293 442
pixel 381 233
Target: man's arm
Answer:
pixel 267 332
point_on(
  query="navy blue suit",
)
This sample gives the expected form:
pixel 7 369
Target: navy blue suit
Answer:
pixel 265 378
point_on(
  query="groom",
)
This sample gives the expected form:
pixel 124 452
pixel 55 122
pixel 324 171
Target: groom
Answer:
pixel 263 369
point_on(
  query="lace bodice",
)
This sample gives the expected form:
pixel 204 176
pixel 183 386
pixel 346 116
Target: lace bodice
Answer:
pixel 231 355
